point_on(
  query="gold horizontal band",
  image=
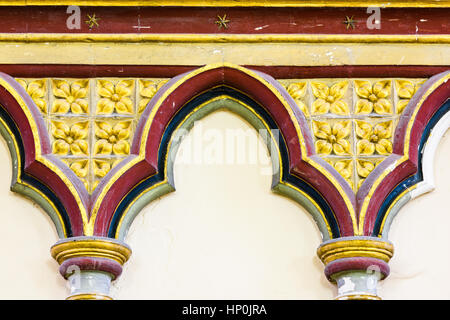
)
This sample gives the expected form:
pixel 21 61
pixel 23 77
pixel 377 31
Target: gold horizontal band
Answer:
pixel 89 296
pixel 358 297
pixel 223 38
pixel 355 248
pixel 90 248
pixel 233 3
pixel 190 54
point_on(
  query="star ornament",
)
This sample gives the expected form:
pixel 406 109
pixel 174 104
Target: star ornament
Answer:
pixel 222 21
pixel 349 22
pixel 93 21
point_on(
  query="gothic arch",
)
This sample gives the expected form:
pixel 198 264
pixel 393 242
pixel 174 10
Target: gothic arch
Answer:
pixel 186 95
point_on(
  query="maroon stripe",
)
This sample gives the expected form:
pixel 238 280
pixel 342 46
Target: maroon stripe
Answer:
pixel 370 265
pixel 52 19
pixel 110 266
pixel 161 71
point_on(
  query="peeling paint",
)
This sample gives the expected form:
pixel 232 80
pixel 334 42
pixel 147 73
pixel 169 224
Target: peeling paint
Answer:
pixel 262 27
pixel 347 285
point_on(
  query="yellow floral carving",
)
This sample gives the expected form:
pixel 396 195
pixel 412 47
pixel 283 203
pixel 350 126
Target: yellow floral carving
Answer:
pixel 71 96
pixel 374 138
pixel 81 169
pixel 112 139
pixel 373 98
pixel 148 89
pixel 405 91
pixel 298 91
pixel 36 89
pixel 344 168
pixel 101 168
pixel 70 138
pixel 364 168
pixel 115 97
pixel 332 138
pixel 329 98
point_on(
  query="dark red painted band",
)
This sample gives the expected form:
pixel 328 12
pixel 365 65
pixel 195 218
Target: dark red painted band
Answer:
pixel 370 265
pixel 242 20
pixel 70 266
pixel 162 71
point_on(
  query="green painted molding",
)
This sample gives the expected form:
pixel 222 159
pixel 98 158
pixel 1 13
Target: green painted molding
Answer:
pixel 25 190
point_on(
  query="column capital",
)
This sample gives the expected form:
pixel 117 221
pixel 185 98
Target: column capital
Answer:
pixel 90 264
pixel 356 264
pixel 99 247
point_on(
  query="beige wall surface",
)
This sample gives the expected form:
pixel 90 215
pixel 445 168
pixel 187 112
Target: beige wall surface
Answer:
pixel 224 235
pixel 27 270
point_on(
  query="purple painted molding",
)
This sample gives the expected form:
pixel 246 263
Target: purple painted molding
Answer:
pixel 358 263
pixel 91 264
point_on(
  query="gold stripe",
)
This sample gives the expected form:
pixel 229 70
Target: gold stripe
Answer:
pixel 233 3
pixel 355 248
pixel 89 296
pixel 221 38
pixel 90 248
pixel 358 297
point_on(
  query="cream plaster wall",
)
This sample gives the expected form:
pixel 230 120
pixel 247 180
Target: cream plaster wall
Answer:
pixel 421 238
pixel 27 270
pixel 224 235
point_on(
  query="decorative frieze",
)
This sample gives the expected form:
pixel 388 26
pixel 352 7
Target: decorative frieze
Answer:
pixel 352 121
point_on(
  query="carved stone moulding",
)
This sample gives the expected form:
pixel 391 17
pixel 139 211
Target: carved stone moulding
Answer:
pixel 351 151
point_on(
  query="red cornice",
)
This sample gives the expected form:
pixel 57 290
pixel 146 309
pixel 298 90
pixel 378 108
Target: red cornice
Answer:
pixel 244 20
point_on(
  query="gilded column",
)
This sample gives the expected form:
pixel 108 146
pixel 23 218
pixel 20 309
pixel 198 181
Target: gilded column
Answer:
pixel 355 265
pixel 90 264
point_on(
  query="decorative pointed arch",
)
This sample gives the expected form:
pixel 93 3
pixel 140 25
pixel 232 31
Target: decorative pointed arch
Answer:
pixel 146 173
pixel 147 167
